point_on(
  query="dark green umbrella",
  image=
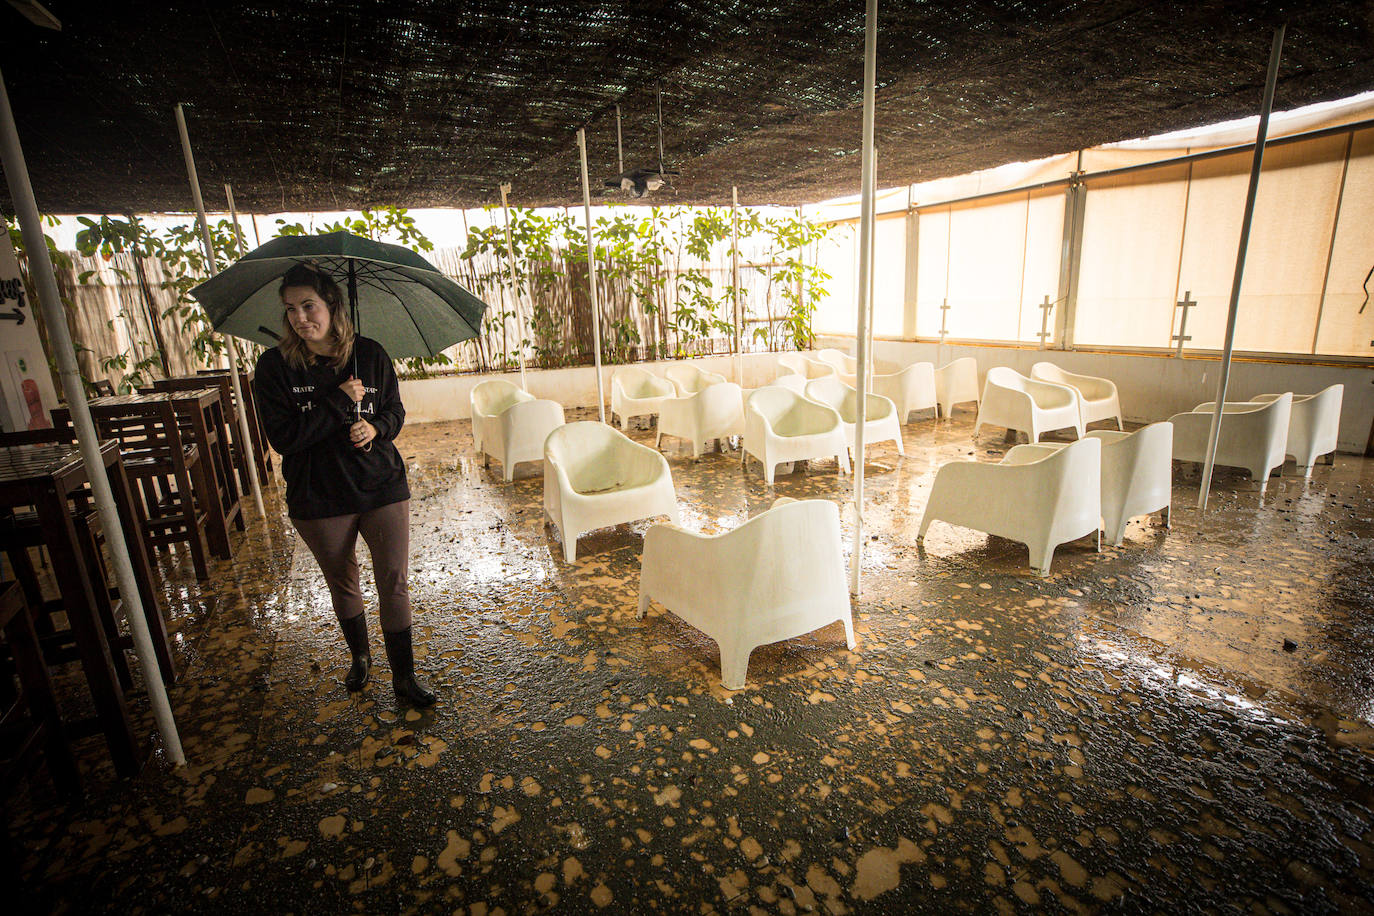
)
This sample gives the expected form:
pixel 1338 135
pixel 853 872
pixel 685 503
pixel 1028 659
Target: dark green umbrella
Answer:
pixel 396 297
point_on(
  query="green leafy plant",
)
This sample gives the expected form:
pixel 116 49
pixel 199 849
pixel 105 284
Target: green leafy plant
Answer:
pixel 698 313
pixel 801 284
pixel 182 255
pixel 658 280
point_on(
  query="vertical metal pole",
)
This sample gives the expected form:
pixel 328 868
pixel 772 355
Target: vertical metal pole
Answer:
pixel 514 286
pixel 591 274
pixel 1070 256
pixel 619 147
pixel 244 432
pixel 911 278
pixel 60 339
pixel 872 282
pixel 866 221
pixel 734 285
pixel 658 92
pixel 1275 51
pixel 1331 247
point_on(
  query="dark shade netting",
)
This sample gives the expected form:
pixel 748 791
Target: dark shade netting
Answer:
pixel 320 104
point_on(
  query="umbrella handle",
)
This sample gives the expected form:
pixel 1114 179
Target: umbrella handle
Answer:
pixel 358 409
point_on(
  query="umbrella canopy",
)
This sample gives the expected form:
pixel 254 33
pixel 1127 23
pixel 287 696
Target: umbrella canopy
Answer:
pixel 398 298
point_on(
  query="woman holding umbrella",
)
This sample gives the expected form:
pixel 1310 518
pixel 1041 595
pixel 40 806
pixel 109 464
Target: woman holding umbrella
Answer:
pixel 330 404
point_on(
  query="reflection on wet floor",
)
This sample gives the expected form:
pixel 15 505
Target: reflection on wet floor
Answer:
pixel 1184 721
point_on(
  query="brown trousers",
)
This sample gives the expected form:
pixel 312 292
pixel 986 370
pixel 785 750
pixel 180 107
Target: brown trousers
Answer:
pixel 386 531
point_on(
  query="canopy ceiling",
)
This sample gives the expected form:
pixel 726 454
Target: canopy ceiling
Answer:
pixel 319 105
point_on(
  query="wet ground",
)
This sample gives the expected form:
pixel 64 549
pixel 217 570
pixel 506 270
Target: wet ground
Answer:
pixel 1184 723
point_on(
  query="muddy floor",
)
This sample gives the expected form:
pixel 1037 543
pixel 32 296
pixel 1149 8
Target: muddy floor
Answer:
pixel 1183 723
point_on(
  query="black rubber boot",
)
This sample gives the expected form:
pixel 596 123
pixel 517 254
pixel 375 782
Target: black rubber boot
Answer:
pixel 401 653
pixel 355 634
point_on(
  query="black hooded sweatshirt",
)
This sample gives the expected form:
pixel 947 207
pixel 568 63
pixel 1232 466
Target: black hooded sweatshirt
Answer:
pixel 306 418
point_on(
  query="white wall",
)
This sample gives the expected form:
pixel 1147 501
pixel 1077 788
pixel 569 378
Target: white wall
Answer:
pixel 447 398
pixel 1156 387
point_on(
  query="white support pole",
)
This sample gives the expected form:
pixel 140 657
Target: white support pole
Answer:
pixel 872 282
pixel 1275 51
pixel 734 285
pixel 866 227
pixel 619 147
pixel 60 339
pixel 244 433
pixel 514 289
pixel 591 274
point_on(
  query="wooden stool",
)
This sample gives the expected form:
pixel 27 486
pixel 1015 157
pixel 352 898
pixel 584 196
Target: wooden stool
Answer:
pixel 29 717
pixel 165 471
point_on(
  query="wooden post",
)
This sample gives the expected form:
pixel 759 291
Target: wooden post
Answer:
pixel 244 432
pixel 514 286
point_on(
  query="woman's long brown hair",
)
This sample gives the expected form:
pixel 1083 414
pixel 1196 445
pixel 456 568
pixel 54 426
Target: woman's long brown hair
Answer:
pixel 292 347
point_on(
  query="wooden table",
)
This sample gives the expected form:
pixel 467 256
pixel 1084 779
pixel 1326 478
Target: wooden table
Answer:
pixel 44 476
pixel 240 454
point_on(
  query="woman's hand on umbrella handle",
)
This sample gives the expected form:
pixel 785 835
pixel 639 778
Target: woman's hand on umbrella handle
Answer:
pixel 361 434
pixel 353 388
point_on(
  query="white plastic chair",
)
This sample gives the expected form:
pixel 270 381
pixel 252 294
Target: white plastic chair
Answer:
pixel 956 383
pixel 912 388
pixel 880 417
pixel 1253 436
pixel 636 392
pixel 1031 406
pixel 1039 496
pixel 596 476
pixel 716 412
pixel 1313 425
pixel 689 379
pixel 1098 398
pixel 1137 474
pixel 846 366
pixel 791 381
pixel 488 399
pixel 777 576
pixel 807 368
pixel 842 362
pixel 780 425
pixel 521 432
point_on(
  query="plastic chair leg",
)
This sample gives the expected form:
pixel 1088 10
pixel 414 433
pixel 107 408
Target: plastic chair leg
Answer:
pixel 734 666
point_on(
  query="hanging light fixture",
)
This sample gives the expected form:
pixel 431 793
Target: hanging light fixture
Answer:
pixel 641 181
